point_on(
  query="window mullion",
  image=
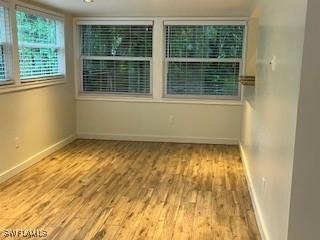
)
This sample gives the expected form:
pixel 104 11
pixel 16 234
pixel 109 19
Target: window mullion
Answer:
pixel 61 47
pixel 116 58
pixel 15 46
pixel 238 60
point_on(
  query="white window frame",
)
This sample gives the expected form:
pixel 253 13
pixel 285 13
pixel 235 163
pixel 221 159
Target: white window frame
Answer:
pixel 79 72
pixel 158 62
pixel 16 83
pixel 7 46
pixel 59 46
pixel 241 61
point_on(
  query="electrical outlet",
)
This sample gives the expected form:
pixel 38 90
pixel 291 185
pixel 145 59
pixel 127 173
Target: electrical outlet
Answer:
pixel 273 63
pixel 171 119
pixel 263 186
pixel 17 142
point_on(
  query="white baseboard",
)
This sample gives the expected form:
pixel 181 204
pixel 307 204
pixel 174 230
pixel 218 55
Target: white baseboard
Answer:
pixel 35 158
pixel 254 199
pixel 156 138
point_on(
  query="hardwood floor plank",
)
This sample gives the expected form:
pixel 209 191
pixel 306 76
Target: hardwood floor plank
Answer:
pixel 94 189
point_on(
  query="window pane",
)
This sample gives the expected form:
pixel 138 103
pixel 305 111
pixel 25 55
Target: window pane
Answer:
pixel 36 29
pixel 118 40
pixel 204 41
pixel 38 62
pixel 203 78
pixel 116 58
pixel 114 76
pixel 204 60
pixel 40 51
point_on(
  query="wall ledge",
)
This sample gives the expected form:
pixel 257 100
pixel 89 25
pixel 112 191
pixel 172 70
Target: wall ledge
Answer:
pixel 248 80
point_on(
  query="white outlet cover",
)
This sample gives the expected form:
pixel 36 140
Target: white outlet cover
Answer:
pixel 273 63
pixel 263 189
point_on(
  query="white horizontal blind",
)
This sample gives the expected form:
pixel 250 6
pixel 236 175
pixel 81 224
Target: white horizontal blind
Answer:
pixel 116 58
pixel 40 42
pixel 204 60
pixel 4 46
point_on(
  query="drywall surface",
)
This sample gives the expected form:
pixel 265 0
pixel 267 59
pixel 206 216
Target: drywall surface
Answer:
pixel 305 193
pixel 35 119
pixel 160 120
pixel 270 111
pixel 153 8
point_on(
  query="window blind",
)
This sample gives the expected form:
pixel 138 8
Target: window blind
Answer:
pixel 4 46
pixel 203 78
pixel 40 41
pixel 116 58
pixel 204 60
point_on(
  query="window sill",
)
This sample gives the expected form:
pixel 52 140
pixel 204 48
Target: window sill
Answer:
pixel 30 85
pixel 145 99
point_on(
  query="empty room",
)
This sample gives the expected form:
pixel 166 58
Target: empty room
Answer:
pixel 158 119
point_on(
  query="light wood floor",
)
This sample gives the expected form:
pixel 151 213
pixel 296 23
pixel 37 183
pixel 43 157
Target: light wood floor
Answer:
pixel 132 190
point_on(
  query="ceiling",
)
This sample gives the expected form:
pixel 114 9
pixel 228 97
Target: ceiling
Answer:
pixel 128 8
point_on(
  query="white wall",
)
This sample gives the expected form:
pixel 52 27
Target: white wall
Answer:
pixel 305 193
pixel 151 121
pixel 252 40
pixel 159 120
pixel 39 117
pixel 270 112
pixel 166 8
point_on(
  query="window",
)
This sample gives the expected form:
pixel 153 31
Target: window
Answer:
pixel 5 59
pixel 203 60
pixel 116 57
pixel 41 45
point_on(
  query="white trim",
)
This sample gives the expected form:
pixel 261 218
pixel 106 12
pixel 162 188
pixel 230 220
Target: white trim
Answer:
pixel 6 42
pixel 77 63
pixel 4 4
pixel 202 97
pixel 113 22
pixel 162 18
pixel 61 40
pixel 223 60
pixel 22 6
pixel 35 158
pixel 38 45
pixel 157 138
pixel 42 78
pixel 256 205
pixel 116 58
pixel 244 56
pixel 5 83
pixel 150 99
pixel 158 60
pixel 15 47
pixel 204 22
pixel 29 85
